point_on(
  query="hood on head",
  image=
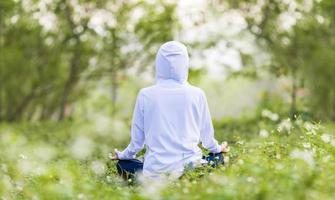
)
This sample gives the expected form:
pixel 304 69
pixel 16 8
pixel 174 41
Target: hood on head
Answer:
pixel 172 62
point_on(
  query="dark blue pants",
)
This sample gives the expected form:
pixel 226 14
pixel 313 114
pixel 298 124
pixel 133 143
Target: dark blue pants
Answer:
pixel 128 168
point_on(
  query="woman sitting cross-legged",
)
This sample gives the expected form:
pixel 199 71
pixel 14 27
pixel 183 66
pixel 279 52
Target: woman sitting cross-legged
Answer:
pixel 170 118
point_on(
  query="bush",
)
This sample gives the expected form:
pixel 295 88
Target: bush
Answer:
pixel 268 160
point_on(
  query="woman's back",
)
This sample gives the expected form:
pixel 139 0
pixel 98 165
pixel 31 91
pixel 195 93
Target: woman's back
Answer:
pixel 170 117
pixel 172 114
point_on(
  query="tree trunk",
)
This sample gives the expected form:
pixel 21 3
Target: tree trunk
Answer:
pixel 114 70
pixel 68 86
pixel 115 87
pixel 1 90
pixel 2 113
pixel 293 94
pixel 19 110
pixel 74 62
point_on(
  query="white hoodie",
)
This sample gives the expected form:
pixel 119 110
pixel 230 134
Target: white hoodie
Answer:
pixel 171 117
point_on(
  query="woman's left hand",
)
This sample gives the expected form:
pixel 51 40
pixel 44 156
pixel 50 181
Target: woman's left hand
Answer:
pixel 113 156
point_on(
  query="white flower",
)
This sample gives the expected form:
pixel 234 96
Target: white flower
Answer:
pixel 279 166
pixel 219 179
pixel 23 157
pixel 44 152
pixel 29 166
pixel 332 142
pixel 98 167
pixel 306 145
pixel 101 20
pixel 327 158
pixel 326 138
pixel 26 166
pixel 7 182
pixel 152 187
pixel 81 196
pixel 285 125
pixel 82 147
pixel 209 190
pixel 251 179
pixel 226 159
pixel 265 112
pixel 19 185
pixel 268 114
pixel 4 168
pixel 102 124
pixel 306 156
pixel 35 198
pixel 271 143
pixel 109 179
pixel 263 133
pixel 308 126
pixel 274 117
pixel 299 122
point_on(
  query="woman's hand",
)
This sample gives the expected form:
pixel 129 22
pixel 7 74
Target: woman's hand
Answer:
pixel 113 156
pixel 224 147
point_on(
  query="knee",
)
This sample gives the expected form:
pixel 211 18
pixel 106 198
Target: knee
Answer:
pixel 120 166
pixel 121 169
pixel 120 163
pixel 217 159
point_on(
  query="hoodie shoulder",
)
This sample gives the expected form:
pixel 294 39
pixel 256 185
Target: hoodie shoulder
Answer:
pixel 195 89
pixel 146 90
pixel 191 89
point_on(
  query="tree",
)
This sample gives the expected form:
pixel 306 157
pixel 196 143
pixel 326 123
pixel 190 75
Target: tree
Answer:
pixel 47 48
pixel 299 37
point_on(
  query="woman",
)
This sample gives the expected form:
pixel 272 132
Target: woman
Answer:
pixel 170 118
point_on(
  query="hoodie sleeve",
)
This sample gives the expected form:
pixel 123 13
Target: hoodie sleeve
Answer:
pixel 137 133
pixel 206 127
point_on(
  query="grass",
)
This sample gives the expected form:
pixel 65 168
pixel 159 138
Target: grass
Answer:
pixel 269 159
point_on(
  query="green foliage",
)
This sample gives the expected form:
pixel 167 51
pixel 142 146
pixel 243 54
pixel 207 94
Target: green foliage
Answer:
pixel 294 160
pixel 304 50
pixel 195 75
pixel 317 35
pixel 156 26
pixel 52 52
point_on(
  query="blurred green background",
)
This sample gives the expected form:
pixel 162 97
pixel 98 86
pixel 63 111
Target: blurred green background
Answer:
pixel 70 71
pixel 63 59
